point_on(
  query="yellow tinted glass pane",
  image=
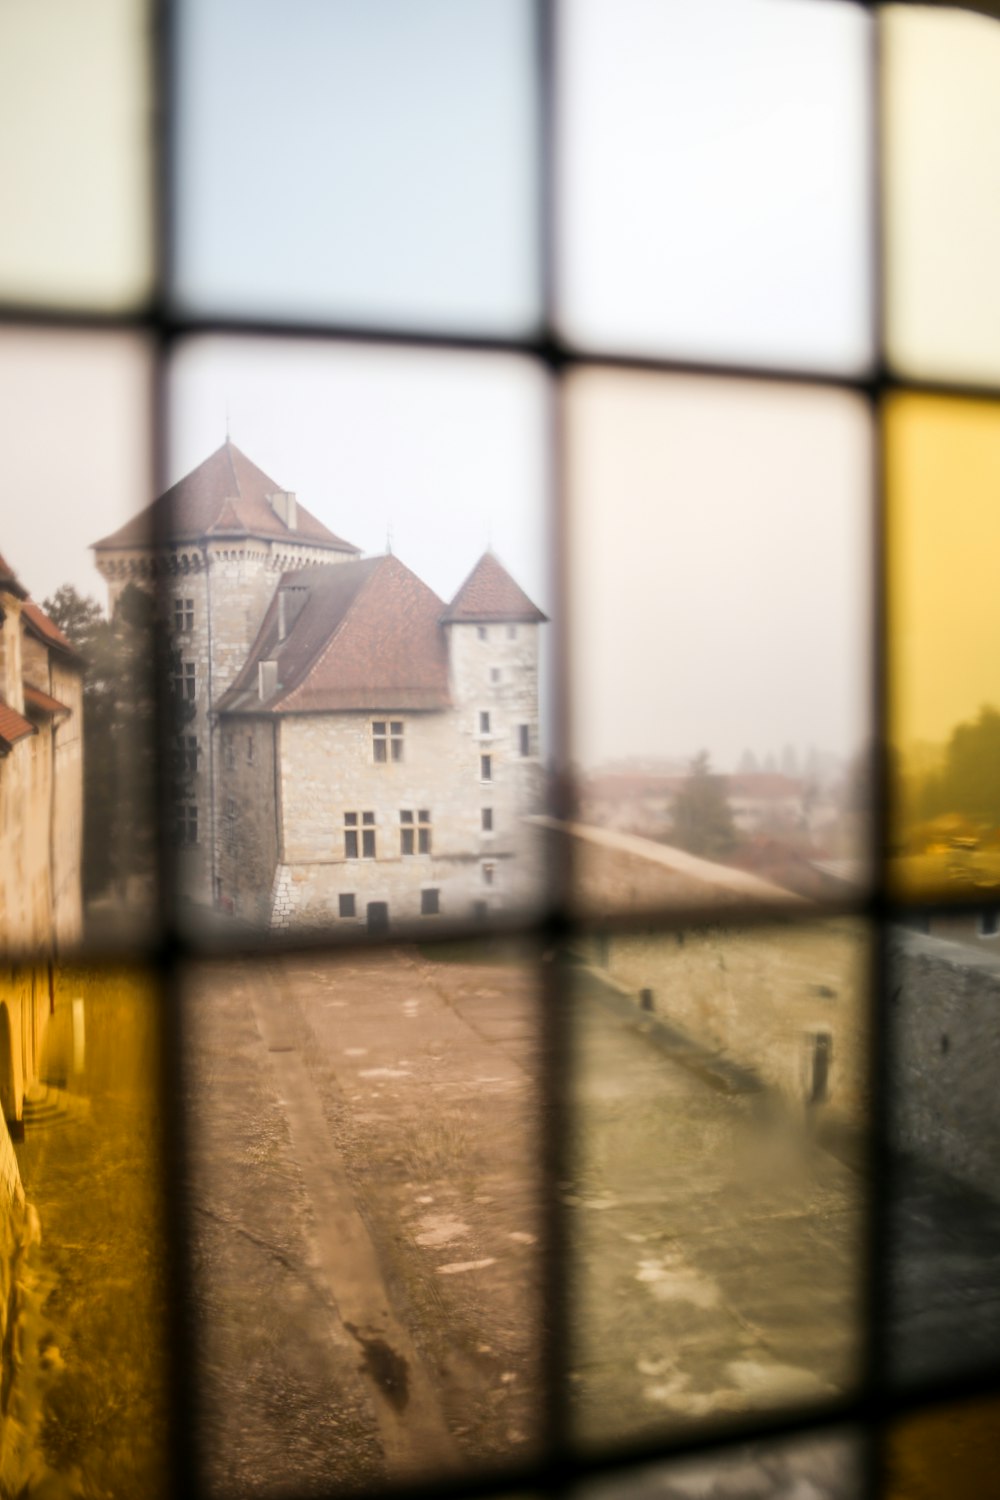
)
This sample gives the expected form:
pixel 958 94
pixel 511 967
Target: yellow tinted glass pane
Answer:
pixel 81 1233
pixel 719 593
pixel 716 1230
pixel 366 1200
pixel 75 152
pixel 942 212
pixel 943 474
pixel 949 1450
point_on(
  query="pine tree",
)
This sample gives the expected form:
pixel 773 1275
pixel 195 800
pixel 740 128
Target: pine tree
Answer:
pixel 702 817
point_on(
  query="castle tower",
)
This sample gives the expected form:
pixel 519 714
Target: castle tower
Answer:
pixel 492 631
pixel 216 544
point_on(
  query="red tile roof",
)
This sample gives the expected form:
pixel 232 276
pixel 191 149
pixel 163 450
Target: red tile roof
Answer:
pixel 13 727
pixel 227 495
pixel 9 581
pixel 45 629
pixel 490 594
pixel 43 703
pixel 360 635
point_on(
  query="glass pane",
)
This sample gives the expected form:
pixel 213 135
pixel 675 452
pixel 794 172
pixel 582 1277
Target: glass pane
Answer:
pixel 715 1209
pixel 82 1233
pixel 948 1450
pixel 365 1136
pixel 385 172
pixel 716 168
pixel 942 217
pixel 720 576
pixel 814 1468
pixel 75 165
pixel 78 770
pixel 946 1184
pixel 943 477
pixel 345 688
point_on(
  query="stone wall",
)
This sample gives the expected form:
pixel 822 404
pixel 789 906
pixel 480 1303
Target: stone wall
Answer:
pixel 248 818
pixel 759 996
pixel 945 1056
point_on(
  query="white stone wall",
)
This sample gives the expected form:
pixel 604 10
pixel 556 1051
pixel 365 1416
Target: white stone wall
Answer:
pixel 328 769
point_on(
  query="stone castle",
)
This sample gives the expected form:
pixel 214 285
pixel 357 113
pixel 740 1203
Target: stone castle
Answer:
pixel 359 752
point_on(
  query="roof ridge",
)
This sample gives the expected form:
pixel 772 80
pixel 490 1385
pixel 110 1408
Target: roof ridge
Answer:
pixel 227 445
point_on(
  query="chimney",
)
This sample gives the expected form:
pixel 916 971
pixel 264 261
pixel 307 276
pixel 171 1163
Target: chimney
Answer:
pixel 267 679
pixel 285 508
pixel 282 616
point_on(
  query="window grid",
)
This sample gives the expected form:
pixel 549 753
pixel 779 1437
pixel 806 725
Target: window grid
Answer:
pixel 874 1403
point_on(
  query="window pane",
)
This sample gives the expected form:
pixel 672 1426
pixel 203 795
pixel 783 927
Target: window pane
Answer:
pixel 370 1129
pixel 824 1467
pixel 945 1187
pixel 716 170
pixel 943 476
pixel 85 1347
pixel 715 1219
pixel 78 776
pixel 945 1450
pixel 385 172
pixel 720 591
pixel 359 593
pixel 942 217
pixel 74 152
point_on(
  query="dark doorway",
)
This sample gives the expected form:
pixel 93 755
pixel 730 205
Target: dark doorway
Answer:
pixel 378 916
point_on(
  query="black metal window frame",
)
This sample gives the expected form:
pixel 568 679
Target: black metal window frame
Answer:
pixel 876 1402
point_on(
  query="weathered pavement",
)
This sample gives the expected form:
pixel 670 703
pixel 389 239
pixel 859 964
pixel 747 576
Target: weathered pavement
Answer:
pixel 366 1190
pixel 367 1143
pixel 718 1254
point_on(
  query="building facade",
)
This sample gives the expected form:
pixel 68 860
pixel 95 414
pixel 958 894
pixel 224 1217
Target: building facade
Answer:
pixel 360 752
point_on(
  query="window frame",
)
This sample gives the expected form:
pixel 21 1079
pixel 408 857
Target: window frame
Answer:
pixel 875 1402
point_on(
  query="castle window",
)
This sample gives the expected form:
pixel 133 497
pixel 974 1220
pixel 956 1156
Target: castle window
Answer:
pixel 430 904
pixel 184 680
pixel 387 740
pixel 486 768
pixel 249 749
pixel 489 870
pixel 487 819
pixel 368 835
pixel 187 824
pixel 350 835
pixel 484 723
pixel 989 922
pixel 524 739
pixel 415 837
pixel 512 632
pixel 183 614
pixel 494 674
pixel 229 753
pixel 346 904
pixel 482 633
pixel 187 753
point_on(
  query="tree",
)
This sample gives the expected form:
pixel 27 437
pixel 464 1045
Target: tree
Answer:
pixel 968 783
pixel 702 817
pixel 122 658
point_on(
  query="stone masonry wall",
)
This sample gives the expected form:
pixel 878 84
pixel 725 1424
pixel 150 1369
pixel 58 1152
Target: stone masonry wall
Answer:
pixel 248 818
pixel 758 995
pixel 945 1056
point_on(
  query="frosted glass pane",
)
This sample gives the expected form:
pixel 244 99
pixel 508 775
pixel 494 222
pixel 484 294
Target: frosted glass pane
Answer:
pixel 368 649
pixel 366 1216
pixel 715 195
pixel 75 152
pixel 75 414
pixel 715 1213
pixel 943 471
pixel 720 607
pixel 942 212
pixel 370 163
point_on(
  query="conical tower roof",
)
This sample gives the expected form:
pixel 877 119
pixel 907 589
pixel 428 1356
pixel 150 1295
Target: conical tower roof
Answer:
pixel 489 594
pixel 226 496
